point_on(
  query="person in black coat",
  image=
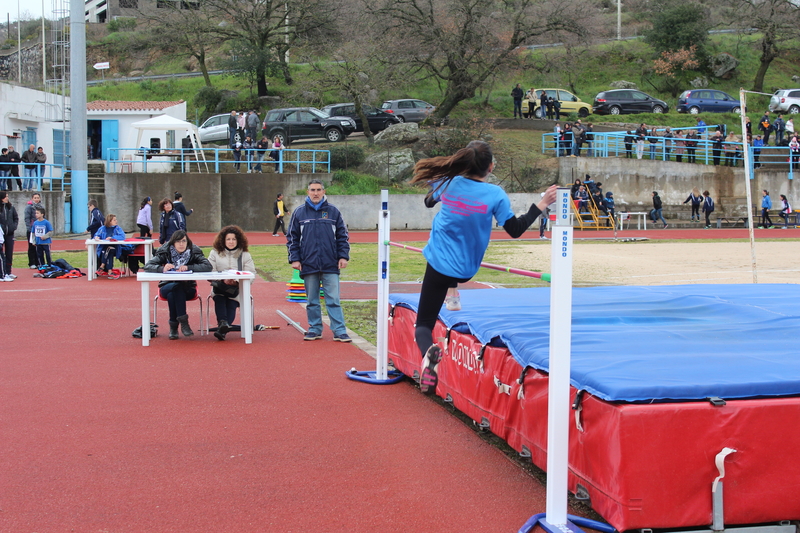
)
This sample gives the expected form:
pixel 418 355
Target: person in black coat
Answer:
pixel 9 220
pixel 171 221
pixel 178 255
pixel 180 208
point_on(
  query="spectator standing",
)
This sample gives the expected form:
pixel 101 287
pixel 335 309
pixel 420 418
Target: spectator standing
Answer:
pixel 249 152
pixel 656 213
pixel 652 138
pixel 517 94
pixel 780 128
pixel 717 142
pixel 262 147
pixel 577 138
pixel 701 128
pixel 557 138
pixel 680 146
pixel 237 155
pixel 789 128
pixel 766 205
pixel 567 138
pixel 691 146
pixel 171 221
pixel 233 124
pixel 748 127
pixel 530 96
pixel 29 170
pixel 641 134
pixel 549 107
pixel 15 159
pixel 696 198
pixel 730 151
pixel 765 127
pixel 9 220
pixel 252 124
pixel 30 217
pixel 668 136
pixel 629 140
pixel 96 218
pixel 41 159
pixel 42 232
pixel 794 151
pixel 180 207
pixel 5 171
pixel 279 210
pixel 588 137
pixel 556 107
pixel 708 207
pixel 319 248
pixel 786 210
pixel 241 124
pixel 542 106
pixel 758 144
pixel 277 153
pixel 144 218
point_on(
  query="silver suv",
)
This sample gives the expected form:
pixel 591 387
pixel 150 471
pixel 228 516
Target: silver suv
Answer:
pixel 785 101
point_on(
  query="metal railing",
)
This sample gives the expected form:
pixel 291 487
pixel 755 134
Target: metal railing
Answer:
pixel 39 177
pixel 217 160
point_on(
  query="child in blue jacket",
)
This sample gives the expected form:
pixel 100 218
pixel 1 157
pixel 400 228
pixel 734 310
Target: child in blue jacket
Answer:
pixel 42 230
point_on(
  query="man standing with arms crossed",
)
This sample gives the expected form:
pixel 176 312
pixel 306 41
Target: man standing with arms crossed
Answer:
pixel 319 248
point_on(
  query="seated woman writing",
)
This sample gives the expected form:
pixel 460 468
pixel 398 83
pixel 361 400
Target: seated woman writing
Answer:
pixel 178 255
pixel 106 253
pixel 229 253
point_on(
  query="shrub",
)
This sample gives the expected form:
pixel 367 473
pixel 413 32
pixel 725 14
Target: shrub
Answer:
pixel 122 24
pixel 349 156
pixel 208 98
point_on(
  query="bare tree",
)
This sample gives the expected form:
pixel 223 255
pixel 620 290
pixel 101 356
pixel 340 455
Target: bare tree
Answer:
pixel 182 31
pixel 463 43
pixel 777 21
pixel 264 31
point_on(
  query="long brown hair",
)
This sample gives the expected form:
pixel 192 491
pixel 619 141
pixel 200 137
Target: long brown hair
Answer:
pixel 472 162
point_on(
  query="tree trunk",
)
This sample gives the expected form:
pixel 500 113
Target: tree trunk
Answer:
pixel 287 74
pixel 364 121
pixel 768 53
pixel 261 81
pixel 201 60
pixel 457 90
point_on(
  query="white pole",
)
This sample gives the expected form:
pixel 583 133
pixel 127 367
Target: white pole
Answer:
pixel 44 52
pixel 748 169
pixel 560 346
pixel 384 230
pixel 19 46
pixel 619 20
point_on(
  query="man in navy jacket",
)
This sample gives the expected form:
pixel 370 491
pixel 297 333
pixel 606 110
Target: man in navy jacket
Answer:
pixel 319 248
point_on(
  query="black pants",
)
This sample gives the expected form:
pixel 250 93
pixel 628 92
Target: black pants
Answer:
pixel 765 220
pixel 708 222
pixel 628 151
pixel 431 297
pixel 690 157
pixel 43 254
pixel 8 250
pixel 225 308
pixel 715 156
pixel 279 225
pixel 144 231
pixel 177 293
pixel 107 257
pixel 696 211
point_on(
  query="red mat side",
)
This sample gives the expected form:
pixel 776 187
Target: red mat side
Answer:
pixel 644 466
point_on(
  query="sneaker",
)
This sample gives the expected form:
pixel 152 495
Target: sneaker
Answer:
pixel 101 273
pixel 12 276
pixel 114 273
pixel 453 303
pixel 33 267
pixel 344 337
pixel 311 336
pixel 429 378
pixel 274 234
pixel 665 226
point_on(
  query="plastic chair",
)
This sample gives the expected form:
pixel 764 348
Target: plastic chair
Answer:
pixel 127 164
pixel 208 310
pixel 137 252
pixel 623 218
pixel 197 297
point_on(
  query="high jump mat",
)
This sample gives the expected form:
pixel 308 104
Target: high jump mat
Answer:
pixel 662 380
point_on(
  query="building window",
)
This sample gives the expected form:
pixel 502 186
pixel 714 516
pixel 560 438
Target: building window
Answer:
pixel 171 4
pixel 129 4
pixel 190 5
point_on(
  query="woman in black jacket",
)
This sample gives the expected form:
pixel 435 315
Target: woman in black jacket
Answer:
pixel 8 225
pixel 171 221
pixel 178 255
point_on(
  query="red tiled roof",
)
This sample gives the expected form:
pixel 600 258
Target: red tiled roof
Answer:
pixel 103 105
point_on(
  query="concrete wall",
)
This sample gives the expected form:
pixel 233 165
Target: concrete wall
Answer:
pixel 53 202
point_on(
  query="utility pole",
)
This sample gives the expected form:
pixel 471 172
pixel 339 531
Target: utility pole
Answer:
pixel 79 160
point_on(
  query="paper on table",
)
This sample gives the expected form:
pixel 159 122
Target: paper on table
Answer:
pixel 177 272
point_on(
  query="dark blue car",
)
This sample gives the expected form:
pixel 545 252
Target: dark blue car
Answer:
pixel 707 101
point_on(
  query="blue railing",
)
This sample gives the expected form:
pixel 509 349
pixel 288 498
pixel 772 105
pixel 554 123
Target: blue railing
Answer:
pixel 43 177
pixel 217 160
pixel 612 144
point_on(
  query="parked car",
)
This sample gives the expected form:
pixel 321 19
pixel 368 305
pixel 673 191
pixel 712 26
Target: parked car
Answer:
pixel 408 110
pixel 378 120
pixel 621 101
pixel 215 129
pixel 569 103
pixel 697 101
pixel 293 123
pixel 785 101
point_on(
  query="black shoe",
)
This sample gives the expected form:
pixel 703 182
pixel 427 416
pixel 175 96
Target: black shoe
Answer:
pixel 185 329
pixel 173 330
pixel 222 329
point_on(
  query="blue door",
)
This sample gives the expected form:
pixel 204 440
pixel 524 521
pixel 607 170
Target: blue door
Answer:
pixel 109 137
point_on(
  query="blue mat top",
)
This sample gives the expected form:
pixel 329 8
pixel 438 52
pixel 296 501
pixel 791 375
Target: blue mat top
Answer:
pixel 680 342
